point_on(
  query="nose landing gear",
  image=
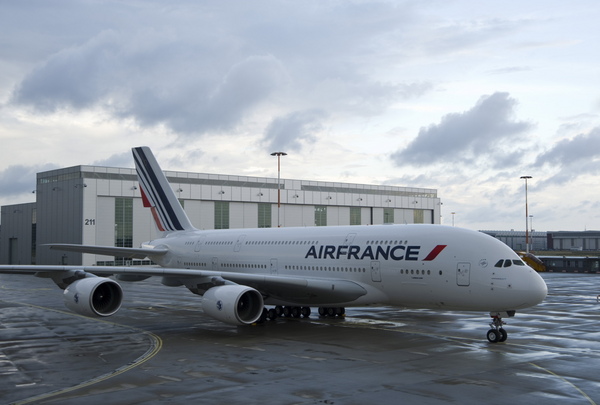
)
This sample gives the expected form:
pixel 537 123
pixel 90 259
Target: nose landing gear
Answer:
pixel 498 333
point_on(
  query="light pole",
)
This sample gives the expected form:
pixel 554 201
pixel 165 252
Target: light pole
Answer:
pixel 453 217
pixel 531 229
pixel 526 216
pixel 279 155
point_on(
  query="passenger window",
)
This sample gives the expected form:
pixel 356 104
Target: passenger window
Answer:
pixel 500 263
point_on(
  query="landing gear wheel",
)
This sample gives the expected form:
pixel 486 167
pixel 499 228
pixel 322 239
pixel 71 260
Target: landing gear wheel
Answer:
pixel 322 311
pixel 295 312
pixel 305 312
pixel 272 314
pixel 493 336
pixel 279 310
pixel 497 333
pixel 287 311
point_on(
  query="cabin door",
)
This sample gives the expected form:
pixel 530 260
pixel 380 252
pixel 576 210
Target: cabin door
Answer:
pixel 375 271
pixel 199 244
pixel 239 242
pixel 463 274
pixel 274 267
pixel 349 239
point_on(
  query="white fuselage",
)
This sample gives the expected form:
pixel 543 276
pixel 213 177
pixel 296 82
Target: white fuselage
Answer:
pixel 418 266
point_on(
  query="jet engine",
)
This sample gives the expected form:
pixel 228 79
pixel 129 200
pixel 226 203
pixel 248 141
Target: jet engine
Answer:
pixel 233 304
pixel 93 296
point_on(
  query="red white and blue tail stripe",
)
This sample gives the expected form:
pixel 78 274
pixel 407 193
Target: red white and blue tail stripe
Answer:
pixel 157 193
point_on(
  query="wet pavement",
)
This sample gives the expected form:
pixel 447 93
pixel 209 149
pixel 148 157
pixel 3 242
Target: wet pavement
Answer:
pixel 161 348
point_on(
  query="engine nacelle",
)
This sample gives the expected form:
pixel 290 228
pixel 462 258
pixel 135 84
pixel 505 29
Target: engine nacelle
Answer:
pixel 233 304
pixel 94 296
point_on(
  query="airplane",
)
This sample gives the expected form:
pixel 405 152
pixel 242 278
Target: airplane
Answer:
pixel 240 271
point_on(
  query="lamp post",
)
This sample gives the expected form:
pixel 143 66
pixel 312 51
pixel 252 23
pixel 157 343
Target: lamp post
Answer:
pixel 526 216
pixel 532 230
pixel 453 217
pixel 279 155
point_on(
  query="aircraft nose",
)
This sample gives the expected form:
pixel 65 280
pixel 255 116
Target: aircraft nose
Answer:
pixel 538 288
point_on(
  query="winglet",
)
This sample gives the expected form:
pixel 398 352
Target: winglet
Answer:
pixel 157 193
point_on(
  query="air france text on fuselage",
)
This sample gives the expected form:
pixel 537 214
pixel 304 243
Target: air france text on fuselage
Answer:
pixel 378 252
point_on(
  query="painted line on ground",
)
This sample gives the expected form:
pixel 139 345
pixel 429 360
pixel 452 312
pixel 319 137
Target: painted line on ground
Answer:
pixel 155 347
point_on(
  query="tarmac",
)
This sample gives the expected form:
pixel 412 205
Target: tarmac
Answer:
pixel 161 348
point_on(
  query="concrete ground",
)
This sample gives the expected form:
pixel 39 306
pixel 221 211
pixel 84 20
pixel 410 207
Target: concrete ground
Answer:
pixel 161 348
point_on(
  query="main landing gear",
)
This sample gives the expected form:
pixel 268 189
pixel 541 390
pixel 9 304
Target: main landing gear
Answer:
pixel 299 312
pixel 497 333
pixel 287 311
pixel 332 311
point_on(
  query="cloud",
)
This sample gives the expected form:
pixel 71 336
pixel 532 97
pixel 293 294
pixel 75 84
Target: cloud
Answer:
pixel 118 160
pixel 508 70
pixel 468 137
pixel 196 69
pixel 571 158
pixel 20 179
pixel 161 83
pixel 205 105
pixel 575 151
pixel 72 78
pixel 292 130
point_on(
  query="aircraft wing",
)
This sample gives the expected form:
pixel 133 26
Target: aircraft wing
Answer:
pixel 300 290
pixel 134 253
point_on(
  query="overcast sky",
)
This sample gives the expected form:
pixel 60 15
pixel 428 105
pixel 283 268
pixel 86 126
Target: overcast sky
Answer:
pixel 461 96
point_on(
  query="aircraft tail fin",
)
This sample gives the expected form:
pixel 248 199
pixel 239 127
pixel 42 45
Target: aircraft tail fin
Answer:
pixel 157 193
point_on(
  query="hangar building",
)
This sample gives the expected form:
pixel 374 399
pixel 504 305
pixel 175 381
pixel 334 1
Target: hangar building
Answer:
pixel 95 205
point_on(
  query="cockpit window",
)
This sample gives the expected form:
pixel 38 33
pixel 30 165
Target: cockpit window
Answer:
pixel 508 263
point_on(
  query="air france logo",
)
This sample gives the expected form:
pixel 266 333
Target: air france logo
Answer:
pixel 219 305
pixel 379 252
pixel 76 298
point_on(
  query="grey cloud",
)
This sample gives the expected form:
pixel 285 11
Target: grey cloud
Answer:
pixel 209 104
pixel 118 160
pixel 20 179
pixel 157 84
pixel 245 85
pixel 468 136
pixel 292 130
pixel 579 150
pixel 184 157
pixel 75 77
pixel 466 34
pixel 416 89
pixel 571 158
pixel 197 68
